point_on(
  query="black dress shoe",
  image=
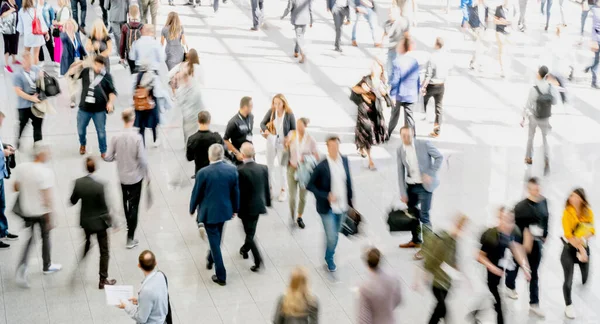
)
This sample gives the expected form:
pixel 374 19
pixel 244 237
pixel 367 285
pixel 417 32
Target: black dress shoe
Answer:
pixel 255 268
pixel 244 254
pixel 106 282
pixel 300 222
pixel 216 280
pixel 209 265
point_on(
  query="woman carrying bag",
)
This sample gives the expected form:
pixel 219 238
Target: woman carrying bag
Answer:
pixel 34 31
pixel 72 53
pixel 8 27
pixel 62 16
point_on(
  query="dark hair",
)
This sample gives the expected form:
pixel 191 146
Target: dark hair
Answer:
pixel 147 260
pixel 245 102
pixel 331 138
pixel 304 120
pixel 99 59
pixel 543 71
pixel 533 181
pixel 90 164
pixel 192 58
pixel 406 42
pixel 204 117
pixel 439 42
pixel 373 257
pixel 581 193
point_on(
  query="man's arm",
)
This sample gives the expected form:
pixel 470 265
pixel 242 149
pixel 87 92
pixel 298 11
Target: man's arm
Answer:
pixel 189 151
pixel 401 173
pixel 287 9
pixel 428 73
pixel 530 104
pixel 141 157
pixel 312 185
pixel 140 312
pixel 267 188
pixel 196 193
pixel 235 194
pixel 365 311
pixel 521 257
pixel 435 154
pixel 75 195
pixel 483 259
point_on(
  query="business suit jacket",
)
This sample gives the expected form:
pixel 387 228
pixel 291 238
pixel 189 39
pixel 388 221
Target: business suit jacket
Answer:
pixel 255 195
pixel 320 184
pixel 289 122
pixel 94 215
pixel 379 296
pixel 68 51
pixel 430 161
pixel 301 12
pixel 216 195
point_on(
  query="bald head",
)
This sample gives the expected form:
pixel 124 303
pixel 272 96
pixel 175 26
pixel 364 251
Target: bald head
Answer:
pixel 148 30
pixel 147 261
pixel 247 150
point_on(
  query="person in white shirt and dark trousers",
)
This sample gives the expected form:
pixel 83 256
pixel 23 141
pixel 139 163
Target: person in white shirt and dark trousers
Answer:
pixel 418 164
pixel 434 84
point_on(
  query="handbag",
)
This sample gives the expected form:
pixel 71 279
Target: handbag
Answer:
pixel 169 318
pixel 50 86
pixel 402 220
pixel 270 125
pixel 56 32
pixel 350 226
pixel 36 24
pixel 8 24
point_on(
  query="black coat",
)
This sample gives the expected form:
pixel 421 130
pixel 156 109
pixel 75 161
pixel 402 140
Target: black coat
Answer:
pixel 94 211
pixel 68 51
pixel 289 122
pixel 255 194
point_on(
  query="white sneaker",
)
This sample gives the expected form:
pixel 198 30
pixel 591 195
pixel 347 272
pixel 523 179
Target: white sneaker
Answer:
pixel 156 143
pixel 53 268
pixel 132 243
pixel 536 310
pixel 512 294
pixel 21 276
pixel 282 196
pixel 570 312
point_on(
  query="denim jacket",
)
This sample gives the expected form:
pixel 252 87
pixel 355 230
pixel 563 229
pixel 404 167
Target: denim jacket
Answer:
pixel 49 14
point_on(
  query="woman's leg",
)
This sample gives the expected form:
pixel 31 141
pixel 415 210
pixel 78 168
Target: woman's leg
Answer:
pixel 270 157
pixel 36 55
pixel 293 189
pixel 371 164
pixel 568 263
pixel 499 41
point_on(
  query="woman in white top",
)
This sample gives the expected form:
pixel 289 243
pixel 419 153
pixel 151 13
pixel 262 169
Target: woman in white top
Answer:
pixel 62 16
pixel 27 15
pixel 275 127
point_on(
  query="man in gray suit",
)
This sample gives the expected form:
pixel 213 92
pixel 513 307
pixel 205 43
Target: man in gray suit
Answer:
pixel 301 16
pixel 117 15
pixel 95 218
pixel 418 164
pixel 379 295
pixel 340 10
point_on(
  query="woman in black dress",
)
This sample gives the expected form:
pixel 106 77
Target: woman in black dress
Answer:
pixel 369 95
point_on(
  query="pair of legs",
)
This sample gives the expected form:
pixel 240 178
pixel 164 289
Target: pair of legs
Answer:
pixel 534 258
pixel 149 5
pixel 548 4
pixel 35 55
pixel 332 223
pixel 409 107
pixel 102 237
pixel 339 14
pixel 83 120
pixel 74 8
pixel 501 40
pixel 493 281
pixel 216 5
pixel 477 34
pixel 250 222
pixel 44 225
pixel 131 203
pixel 568 259
pixel 594 67
pixel 544 125
pixel 257 13
pixel 148 119
pixel 522 12
pixel 391 57
pixel 299 47
pixel 50 47
pixel 371 18
pixel 25 115
pixel 435 91
pixel 295 188
pixel 439 311
pixel 11 47
pixel 417 195
pixel 116 28
pixel 215 235
pixel 3 219
pixel 277 177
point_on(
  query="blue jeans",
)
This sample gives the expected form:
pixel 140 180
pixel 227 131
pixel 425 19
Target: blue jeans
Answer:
pixel 594 66
pixel 370 16
pixel 215 234
pixel 391 57
pixel 83 120
pixel 3 219
pixel 584 15
pixel 548 7
pixel 464 8
pixel 332 223
pixel 417 195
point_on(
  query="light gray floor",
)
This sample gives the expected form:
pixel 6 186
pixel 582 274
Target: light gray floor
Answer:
pixel 482 143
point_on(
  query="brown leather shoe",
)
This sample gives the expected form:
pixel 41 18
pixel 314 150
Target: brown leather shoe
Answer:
pixel 410 245
pixel 354 43
pixel 82 150
pixel 106 282
pixel 528 161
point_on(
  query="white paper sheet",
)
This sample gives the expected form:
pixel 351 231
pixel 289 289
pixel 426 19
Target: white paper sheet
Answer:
pixel 450 271
pixel 116 294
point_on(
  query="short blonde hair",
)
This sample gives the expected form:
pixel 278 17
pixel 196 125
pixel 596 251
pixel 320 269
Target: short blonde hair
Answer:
pixel 98 26
pixel 128 115
pixel 134 11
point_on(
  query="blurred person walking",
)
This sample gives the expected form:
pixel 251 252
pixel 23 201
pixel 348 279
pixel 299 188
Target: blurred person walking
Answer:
pixel 94 217
pixel 531 218
pixel 418 163
pixel 477 22
pixel 586 7
pixel 29 13
pixel 303 159
pixel 405 83
pixel 24 80
pixel 216 199
pixel 578 228
pixel 298 305
pixel 301 11
pixel 63 15
pixel 367 9
pixel 75 10
pixel 149 7
pixel 340 10
pixel 433 86
pixel 147 50
pixel 48 17
pixel 257 14
pixel 186 80
pixel 379 294
pixel 199 142
pixel 494 242
pixel 127 149
pixel 275 127
pixel 99 43
pixel 34 182
pixel 173 38
pixel 396 28
pixel 131 31
pixel 595 9
pixel 146 103
pixel 369 95
pixel 503 17
pixel 73 53
pixel 10 35
pixel 239 129
pixel 152 304
pixel 331 184
pixel 7 152
pixel 538 110
pixel 255 197
pixel 117 15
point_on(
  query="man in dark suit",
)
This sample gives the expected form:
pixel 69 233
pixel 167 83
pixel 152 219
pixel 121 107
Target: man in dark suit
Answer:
pixel 255 197
pixel 198 144
pixel 216 198
pixel 6 151
pixel 332 186
pixel 95 218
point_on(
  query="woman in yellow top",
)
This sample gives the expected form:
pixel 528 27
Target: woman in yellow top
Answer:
pixel 578 226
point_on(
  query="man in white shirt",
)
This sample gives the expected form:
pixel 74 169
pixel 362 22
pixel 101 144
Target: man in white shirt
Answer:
pixel 332 186
pixel 34 182
pixel 418 164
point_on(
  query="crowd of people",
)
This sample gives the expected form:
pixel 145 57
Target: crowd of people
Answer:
pixel 229 183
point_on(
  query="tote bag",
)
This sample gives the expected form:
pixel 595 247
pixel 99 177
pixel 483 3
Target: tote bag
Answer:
pixel 36 24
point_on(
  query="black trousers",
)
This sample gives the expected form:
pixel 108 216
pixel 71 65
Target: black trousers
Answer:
pixel 408 116
pixel 493 281
pixel 50 47
pixel 439 311
pixel 250 223
pixel 25 115
pixel 102 237
pixel 437 92
pixel 568 259
pixel 131 203
pixel 104 14
pixel 42 221
pixel 534 258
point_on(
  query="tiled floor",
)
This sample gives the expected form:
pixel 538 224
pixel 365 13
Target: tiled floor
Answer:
pixel 482 143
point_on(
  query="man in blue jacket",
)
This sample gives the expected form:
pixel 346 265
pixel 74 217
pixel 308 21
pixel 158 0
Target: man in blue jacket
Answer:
pixel 332 186
pixel 405 83
pixel 216 198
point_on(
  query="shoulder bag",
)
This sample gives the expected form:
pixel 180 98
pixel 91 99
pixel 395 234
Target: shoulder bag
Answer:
pixel 36 24
pixel 402 220
pixel 350 225
pixel 169 318
pixel 271 125
pixel 8 24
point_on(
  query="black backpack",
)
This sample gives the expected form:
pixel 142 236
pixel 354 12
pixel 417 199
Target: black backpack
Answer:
pixel 543 104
